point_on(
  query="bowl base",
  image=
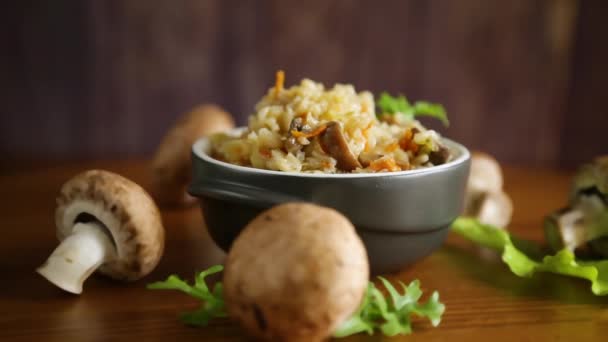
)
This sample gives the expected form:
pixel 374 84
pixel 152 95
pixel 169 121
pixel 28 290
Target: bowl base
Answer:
pixel 387 251
pixel 391 252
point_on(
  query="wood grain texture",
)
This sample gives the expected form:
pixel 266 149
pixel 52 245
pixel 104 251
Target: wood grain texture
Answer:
pixel 484 300
pixel 521 79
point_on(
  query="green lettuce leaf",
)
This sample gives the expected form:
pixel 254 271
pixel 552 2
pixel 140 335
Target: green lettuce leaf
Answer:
pixel 392 315
pixel 563 262
pixel 212 301
pixel 392 105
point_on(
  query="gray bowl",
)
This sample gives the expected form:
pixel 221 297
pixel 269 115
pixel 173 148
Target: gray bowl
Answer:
pixel 400 216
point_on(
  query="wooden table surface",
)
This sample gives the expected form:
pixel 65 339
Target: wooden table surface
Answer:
pixel 484 300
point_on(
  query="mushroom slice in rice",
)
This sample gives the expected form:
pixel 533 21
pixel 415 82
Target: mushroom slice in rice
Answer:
pixel 441 156
pixel 334 143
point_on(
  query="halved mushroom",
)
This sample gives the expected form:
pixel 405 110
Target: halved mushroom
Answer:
pixel 584 223
pixel 105 223
pixel 334 143
pixel 171 167
pixel 484 197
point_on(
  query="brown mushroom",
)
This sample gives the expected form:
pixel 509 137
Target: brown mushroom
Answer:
pixel 105 223
pixel 171 166
pixel 295 273
pixel 484 197
pixel 441 156
pixel 334 143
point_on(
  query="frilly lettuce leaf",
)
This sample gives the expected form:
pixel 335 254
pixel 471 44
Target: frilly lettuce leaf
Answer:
pixel 563 262
pixel 392 315
pixel 212 301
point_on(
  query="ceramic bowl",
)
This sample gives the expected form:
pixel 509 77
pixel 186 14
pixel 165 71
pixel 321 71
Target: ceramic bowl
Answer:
pixel 400 216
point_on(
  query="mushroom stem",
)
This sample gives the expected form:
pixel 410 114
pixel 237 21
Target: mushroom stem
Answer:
pixel 78 256
pixel 493 208
pixel 566 229
pixel 574 227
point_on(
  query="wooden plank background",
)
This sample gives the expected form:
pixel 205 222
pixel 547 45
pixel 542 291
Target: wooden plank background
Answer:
pixel 521 79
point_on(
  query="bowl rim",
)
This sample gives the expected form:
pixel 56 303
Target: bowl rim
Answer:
pixel 201 145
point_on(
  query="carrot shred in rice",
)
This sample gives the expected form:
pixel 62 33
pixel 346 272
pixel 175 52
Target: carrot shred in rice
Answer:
pixel 414 147
pixel 406 142
pixel 318 130
pixel 265 152
pixel 303 115
pixel 392 147
pixel 279 82
pixel 384 164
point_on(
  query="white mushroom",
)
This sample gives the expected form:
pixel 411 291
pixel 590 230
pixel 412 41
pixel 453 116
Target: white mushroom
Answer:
pixel 295 273
pixel 485 175
pixel 484 197
pixel 171 167
pixel 105 223
pixel 582 223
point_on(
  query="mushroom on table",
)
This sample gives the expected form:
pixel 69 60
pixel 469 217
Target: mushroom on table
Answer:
pixel 105 223
pixel 583 224
pixel 295 273
pixel 171 166
pixel 485 198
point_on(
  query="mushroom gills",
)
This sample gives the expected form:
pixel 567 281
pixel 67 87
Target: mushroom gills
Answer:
pixel 89 218
pixel 78 256
pixel 593 192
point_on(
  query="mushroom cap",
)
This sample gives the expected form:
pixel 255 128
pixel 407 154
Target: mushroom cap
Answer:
pixel 171 166
pixel 125 209
pixel 485 174
pixel 295 273
pixel 592 175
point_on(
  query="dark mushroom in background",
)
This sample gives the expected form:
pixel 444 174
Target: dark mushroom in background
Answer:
pixel 171 167
pixel 485 198
pixel 334 143
pixel 106 223
pixel 583 224
pixel 295 273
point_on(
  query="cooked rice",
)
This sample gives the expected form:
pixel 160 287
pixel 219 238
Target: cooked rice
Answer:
pixel 379 146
